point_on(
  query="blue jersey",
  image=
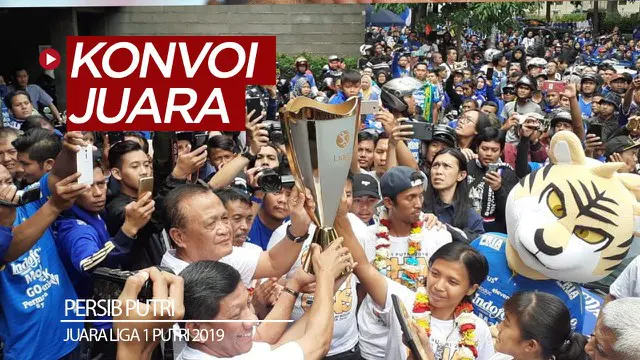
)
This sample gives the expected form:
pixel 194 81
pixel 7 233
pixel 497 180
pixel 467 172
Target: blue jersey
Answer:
pixel 34 290
pixel 502 282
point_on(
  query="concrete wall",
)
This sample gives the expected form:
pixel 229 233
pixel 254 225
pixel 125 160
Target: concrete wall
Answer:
pixel 319 29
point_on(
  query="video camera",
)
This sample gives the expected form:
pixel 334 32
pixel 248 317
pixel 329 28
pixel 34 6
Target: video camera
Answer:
pixel 109 283
pixel 270 181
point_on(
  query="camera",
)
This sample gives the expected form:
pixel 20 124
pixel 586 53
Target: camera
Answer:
pixel 271 181
pixel 275 132
pixel 108 283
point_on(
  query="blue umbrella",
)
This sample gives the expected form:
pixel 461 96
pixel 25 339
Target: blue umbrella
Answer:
pixel 384 18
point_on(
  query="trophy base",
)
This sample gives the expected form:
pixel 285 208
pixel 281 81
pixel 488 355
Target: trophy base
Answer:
pixel 323 237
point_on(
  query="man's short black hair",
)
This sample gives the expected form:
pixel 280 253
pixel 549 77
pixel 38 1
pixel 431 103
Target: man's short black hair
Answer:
pixel 9 98
pixel 39 144
pixel 221 142
pixel 381 136
pixel 229 194
pixel 490 134
pixel 366 136
pixel 206 284
pixel 120 149
pixel 137 135
pixel 351 76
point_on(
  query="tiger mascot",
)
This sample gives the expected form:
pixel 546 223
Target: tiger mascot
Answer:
pixel 572 221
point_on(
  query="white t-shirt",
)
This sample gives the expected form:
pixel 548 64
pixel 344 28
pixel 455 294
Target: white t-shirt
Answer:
pixel 259 351
pixel 628 283
pixel 444 337
pixel 374 331
pixel 245 260
pixel 345 328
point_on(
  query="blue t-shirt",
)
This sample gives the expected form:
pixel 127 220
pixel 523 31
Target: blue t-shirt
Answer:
pixel 585 108
pixel 5 240
pixel 34 289
pixel 502 282
pixel 259 234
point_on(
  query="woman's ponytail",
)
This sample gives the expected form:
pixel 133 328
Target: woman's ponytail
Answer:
pixel 572 348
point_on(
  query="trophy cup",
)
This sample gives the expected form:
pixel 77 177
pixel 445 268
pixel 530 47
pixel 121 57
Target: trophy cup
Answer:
pixel 320 145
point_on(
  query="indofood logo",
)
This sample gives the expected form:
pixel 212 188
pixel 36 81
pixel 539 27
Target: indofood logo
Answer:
pixel 343 139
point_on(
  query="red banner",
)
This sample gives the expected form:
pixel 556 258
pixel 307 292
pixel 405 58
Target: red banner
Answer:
pixel 164 83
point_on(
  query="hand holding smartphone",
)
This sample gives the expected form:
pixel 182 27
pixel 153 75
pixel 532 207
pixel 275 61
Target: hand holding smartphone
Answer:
pixel 554 86
pixel 145 185
pixel 595 129
pixel 84 164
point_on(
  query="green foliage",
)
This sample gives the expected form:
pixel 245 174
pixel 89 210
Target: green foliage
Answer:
pixel 316 62
pixel 565 18
pixel 625 23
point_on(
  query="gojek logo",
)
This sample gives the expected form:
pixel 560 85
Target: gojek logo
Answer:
pixel 164 83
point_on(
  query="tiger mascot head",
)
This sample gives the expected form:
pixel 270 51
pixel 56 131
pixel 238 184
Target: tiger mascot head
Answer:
pixel 574 219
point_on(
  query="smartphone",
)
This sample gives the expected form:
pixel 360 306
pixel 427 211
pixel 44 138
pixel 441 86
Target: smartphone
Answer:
pixel 145 184
pixel 490 74
pixel 115 137
pixel 254 103
pixel 421 130
pixel 412 339
pixel 595 129
pixel 369 107
pixel 554 86
pixel 84 164
pixel 492 168
pixel 199 140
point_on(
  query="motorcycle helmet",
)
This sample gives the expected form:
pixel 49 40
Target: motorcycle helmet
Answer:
pixel 394 91
pixel 527 81
pixel 444 133
pixel 302 61
pixel 562 115
pixel 333 58
pixel 364 49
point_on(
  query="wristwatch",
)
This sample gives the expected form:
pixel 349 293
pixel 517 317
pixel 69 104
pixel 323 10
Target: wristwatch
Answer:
pixel 296 239
pixel 247 153
pixel 291 291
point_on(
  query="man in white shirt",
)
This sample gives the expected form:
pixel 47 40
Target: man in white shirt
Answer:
pixel 628 283
pixel 198 224
pixel 344 342
pixel 214 291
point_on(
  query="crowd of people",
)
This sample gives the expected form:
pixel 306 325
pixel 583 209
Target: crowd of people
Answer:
pixel 225 232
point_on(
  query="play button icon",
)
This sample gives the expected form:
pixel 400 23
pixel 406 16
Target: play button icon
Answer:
pixel 49 59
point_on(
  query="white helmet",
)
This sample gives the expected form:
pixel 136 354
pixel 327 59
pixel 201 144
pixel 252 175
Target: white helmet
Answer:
pixel 364 49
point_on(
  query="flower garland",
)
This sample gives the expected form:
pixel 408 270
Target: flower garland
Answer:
pixel 412 275
pixel 464 320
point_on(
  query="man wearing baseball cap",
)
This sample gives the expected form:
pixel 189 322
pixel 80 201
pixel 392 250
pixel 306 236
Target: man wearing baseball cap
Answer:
pixel 402 191
pixel 618 83
pixel 608 117
pixel 366 195
pixel 623 149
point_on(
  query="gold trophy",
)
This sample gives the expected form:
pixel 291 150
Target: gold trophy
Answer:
pixel 320 144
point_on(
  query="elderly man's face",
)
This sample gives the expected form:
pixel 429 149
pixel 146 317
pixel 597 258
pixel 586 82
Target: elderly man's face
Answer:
pixel 207 233
pixel 600 345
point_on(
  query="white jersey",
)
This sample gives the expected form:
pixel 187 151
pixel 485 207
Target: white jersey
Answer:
pixel 259 351
pixel 243 259
pixel 345 328
pixel 374 331
pixel 444 337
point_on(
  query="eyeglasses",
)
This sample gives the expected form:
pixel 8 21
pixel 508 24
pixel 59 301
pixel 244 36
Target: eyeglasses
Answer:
pixel 508 92
pixel 465 120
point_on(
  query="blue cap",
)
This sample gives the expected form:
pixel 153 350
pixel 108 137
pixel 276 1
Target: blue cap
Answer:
pixel 399 179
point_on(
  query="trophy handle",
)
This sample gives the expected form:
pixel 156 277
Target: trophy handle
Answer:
pixel 323 237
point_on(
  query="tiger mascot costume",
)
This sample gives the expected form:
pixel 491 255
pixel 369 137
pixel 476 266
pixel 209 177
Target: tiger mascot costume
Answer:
pixel 572 221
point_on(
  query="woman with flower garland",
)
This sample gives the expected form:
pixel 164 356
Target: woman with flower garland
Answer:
pixel 443 308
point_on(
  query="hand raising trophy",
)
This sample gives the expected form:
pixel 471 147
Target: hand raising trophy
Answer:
pixel 320 143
